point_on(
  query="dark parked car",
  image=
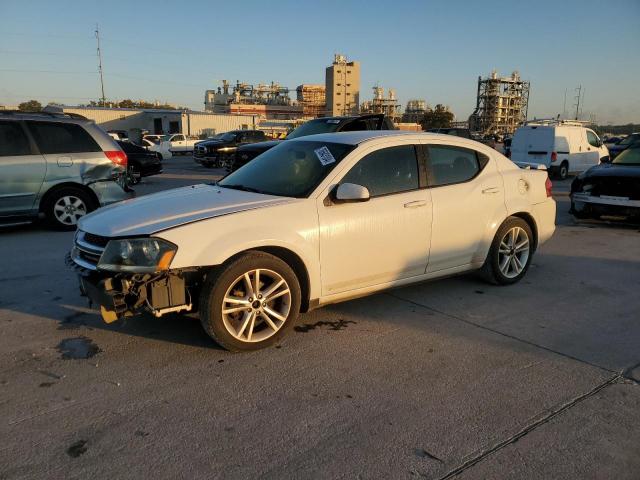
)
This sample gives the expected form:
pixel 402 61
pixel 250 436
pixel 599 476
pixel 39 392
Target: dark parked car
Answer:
pixel 246 153
pixel 217 151
pixel 141 162
pixel 609 188
pixel 622 145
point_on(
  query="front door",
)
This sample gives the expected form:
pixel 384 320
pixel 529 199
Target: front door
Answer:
pixel 594 149
pixel 178 143
pixel 467 193
pixel 383 239
pixel 22 170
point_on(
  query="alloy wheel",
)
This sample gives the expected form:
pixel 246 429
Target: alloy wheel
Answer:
pixel 69 209
pixel 256 305
pixel 513 252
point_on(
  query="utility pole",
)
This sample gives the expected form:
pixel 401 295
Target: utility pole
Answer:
pixel 100 66
pixel 577 104
pixel 564 105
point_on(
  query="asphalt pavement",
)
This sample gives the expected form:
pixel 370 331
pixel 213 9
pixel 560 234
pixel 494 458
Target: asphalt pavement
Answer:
pixel 451 378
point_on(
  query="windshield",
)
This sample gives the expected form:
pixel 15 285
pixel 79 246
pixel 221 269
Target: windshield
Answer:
pixel 291 169
pixel 631 156
pixel 227 136
pixel 313 127
pixel 629 140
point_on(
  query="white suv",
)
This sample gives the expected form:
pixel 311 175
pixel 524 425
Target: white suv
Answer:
pixel 313 221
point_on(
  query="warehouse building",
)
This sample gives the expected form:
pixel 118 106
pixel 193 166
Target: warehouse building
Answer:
pixel 160 122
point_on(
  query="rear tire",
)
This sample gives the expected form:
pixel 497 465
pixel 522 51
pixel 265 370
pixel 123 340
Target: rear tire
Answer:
pixel 510 254
pixel 64 207
pixel 563 171
pixel 250 303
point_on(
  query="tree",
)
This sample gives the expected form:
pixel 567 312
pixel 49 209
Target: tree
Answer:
pixel 439 117
pixel 30 106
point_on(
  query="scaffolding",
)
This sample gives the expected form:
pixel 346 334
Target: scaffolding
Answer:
pixel 380 104
pixel 501 104
pixel 312 98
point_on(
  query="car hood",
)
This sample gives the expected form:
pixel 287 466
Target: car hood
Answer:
pixel 612 170
pixel 260 146
pixel 160 211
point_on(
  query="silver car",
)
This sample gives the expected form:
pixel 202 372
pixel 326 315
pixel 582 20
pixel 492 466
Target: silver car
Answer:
pixel 58 167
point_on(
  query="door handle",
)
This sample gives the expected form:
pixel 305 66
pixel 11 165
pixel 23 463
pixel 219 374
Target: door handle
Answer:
pixel 491 190
pixel 415 204
pixel 65 161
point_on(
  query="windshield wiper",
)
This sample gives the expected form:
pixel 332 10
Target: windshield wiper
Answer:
pixel 244 188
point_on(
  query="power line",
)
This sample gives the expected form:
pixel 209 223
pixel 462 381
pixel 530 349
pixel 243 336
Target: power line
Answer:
pixel 15 70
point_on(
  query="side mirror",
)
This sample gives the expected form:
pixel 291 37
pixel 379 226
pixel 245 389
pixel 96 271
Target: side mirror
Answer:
pixel 606 159
pixel 350 192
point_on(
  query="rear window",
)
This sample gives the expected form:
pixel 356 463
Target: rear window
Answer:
pixel 13 140
pixel 62 138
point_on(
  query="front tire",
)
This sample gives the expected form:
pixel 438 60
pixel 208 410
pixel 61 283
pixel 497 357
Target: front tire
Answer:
pixel 510 253
pixel 250 303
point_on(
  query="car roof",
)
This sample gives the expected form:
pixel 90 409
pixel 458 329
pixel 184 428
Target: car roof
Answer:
pixel 46 116
pixel 358 137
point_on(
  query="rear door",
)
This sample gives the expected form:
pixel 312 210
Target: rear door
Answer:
pixel 467 192
pixel 22 170
pixel 70 152
pixel 533 145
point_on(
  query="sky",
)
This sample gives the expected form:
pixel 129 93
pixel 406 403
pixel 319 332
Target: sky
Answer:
pixel 433 50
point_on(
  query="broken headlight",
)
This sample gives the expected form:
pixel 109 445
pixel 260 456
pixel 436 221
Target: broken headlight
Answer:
pixel 139 255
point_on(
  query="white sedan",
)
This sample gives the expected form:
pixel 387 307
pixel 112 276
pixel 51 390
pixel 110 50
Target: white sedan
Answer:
pixel 313 221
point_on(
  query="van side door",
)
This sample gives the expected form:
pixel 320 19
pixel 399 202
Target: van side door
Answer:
pixel 22 170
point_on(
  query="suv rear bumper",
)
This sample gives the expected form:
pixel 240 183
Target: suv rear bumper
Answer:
pixel 110 192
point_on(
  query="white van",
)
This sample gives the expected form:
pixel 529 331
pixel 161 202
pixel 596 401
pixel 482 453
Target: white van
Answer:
pixel 562 146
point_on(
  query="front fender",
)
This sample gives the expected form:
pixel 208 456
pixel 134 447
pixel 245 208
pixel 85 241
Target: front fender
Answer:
pixel 213 241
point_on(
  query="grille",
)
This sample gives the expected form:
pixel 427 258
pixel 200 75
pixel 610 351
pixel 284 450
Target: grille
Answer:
pixel 88 249
pixel 95 239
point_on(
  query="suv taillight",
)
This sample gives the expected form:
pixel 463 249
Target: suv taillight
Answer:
pixel 554 157
pixel 548 185
pixel 117 156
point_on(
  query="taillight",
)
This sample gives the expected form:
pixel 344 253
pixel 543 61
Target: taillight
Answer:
pixel 547 186
pixel 554 157
pixel 117 156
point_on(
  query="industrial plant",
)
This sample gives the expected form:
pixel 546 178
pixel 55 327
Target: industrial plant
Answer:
pixel 501 104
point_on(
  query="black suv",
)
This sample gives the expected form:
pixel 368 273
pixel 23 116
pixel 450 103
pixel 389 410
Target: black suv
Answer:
pixel 246 153
pixel 218 150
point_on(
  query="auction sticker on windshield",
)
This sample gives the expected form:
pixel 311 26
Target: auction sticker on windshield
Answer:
pixel 324 155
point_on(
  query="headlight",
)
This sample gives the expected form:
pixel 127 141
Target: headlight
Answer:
pixel 140 255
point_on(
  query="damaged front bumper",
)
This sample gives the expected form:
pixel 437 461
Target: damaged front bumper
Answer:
pixel 125 294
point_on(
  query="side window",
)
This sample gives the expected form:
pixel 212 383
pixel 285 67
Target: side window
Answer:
pixel 13 140
pixel 386 171
pixel 447 165
pixel 592 138
pixel 178 138
pixel 62 138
